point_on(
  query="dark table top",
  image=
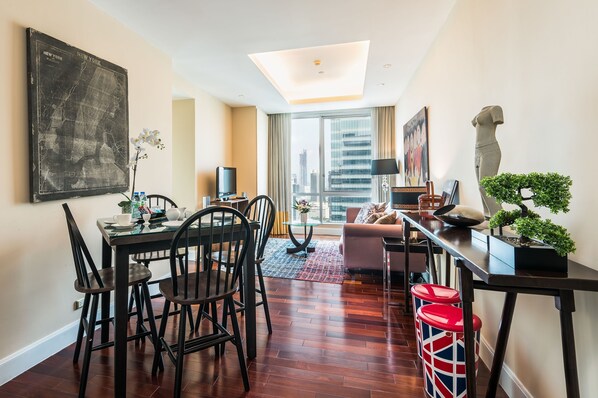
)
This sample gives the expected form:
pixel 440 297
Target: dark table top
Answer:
pixel 458 242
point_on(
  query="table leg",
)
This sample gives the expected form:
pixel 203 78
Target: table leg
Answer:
pixel 406 234
pixel 301 246
pixel 565 303
pixel 249 282
pixel 447 269
pixel 501 343
pixel 105 303
pixel 384 267
pixel 431 261
pixel 121 298
pixel 466 278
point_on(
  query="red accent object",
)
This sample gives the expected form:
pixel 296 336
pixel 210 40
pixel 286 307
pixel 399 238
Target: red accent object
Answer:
pixel 436 293
pixel 446 317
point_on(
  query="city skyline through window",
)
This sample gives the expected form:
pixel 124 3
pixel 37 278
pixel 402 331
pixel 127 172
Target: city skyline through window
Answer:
pixel 330 163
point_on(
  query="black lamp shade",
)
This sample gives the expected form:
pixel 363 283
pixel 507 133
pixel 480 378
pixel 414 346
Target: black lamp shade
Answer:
pixel 384 167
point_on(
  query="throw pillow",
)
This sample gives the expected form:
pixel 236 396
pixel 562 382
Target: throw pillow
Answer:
pixel 365 211
pixel 389 218
pixel 373 218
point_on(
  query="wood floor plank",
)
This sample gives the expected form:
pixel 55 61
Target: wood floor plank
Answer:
pixel 329 341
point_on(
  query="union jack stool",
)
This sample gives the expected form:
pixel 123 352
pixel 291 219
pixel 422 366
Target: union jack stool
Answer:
pixel 428 293
pixel 443 349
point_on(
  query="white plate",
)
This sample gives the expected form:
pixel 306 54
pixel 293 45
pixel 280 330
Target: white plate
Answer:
pixel 173 224
pixel 116 226
pixel 109 221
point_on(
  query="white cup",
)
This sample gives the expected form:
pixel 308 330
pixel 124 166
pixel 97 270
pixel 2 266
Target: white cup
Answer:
pixel 123 219
pixel 146 217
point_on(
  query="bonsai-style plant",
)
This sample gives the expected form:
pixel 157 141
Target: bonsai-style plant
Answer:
pixel 550 190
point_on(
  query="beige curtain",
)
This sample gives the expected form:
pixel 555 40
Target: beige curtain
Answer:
pixel 383 129
pixel 279 167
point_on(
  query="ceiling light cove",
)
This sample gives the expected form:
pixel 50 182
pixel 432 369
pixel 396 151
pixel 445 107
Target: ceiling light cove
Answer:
pixel 298 77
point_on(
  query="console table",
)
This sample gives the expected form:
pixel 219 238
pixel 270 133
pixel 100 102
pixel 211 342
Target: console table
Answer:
pixel 236 203
pixel 473 259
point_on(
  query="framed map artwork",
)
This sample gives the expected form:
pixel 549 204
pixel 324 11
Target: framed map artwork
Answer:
pixel 415 150
pixel 78 121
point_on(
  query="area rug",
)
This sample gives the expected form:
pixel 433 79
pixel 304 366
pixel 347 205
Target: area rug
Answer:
pixel 323 265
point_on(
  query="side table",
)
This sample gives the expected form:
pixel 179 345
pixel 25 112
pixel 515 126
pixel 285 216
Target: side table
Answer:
pixel 398 245
pixel 301 246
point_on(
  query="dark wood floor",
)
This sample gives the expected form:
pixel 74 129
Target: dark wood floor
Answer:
pixel 329 341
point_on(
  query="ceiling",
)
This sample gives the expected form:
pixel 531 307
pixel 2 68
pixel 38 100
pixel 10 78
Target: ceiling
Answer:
pixel 210 41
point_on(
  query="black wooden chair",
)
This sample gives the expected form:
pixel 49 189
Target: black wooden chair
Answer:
pixel 164 203
pixel 92 283
pixel 261 209
pixel 211 282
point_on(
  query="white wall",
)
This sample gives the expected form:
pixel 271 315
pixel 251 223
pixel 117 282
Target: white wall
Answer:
pixel 36 266
pixel 183 144
pixel 536 59
pixel 213 137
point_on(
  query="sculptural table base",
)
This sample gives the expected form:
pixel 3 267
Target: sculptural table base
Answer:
pixel 301 246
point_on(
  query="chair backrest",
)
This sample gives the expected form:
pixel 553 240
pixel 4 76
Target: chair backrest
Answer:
pixel 219 236
pixel 160 201
pixel 261 209
pixel 81 256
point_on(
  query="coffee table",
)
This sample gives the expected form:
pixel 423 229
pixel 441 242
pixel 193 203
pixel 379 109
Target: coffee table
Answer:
pixel 301 246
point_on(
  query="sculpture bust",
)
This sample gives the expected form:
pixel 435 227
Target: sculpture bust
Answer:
pixel 487 151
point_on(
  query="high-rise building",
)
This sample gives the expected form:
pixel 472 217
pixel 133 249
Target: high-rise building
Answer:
pixel 303 169
pixel 350 165
pixel 313 182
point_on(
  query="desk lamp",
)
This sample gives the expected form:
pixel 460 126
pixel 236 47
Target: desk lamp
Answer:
pixel 384 167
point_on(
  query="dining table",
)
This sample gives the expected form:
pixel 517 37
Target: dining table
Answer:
pixel 140 238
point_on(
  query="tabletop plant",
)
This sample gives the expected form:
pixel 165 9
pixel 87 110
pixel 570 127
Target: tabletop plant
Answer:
pixel 550 190
pixel 151 138
pixel 302 206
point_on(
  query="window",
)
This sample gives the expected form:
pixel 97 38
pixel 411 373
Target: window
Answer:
pixel 331 157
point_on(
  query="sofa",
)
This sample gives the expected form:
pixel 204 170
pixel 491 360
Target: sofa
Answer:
pixel 361 246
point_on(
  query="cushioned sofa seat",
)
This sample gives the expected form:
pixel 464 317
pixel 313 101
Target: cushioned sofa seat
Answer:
pixel 361 246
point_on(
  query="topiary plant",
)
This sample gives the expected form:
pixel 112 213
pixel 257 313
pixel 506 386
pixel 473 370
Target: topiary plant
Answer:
pixel 549 190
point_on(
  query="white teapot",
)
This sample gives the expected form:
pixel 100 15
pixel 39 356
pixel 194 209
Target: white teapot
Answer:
pixel 173 214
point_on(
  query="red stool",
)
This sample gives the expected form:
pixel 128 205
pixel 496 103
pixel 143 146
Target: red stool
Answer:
pixel 443 348
pixel 428 293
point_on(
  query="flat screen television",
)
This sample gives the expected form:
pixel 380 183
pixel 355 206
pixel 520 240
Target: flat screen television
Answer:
pixel 226 182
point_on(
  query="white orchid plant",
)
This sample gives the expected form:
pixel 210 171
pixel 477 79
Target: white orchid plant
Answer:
pixel 146 137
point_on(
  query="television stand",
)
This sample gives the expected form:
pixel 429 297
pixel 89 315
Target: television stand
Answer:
pixel 234 202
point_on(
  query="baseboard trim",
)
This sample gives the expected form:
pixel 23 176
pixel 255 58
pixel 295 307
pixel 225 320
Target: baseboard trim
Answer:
pixel 27 357
pixel 508 379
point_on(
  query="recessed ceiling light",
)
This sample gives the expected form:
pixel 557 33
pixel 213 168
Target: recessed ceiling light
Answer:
pixel 386 66
pixel 241 96
pixel 291 72
pixel 381 84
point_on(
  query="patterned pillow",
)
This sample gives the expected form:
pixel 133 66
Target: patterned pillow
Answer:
pixel 373 218
pixel 389 218
pixel 367 210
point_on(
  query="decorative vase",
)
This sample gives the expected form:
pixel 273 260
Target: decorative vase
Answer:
pixel 536 256
pixel 303 217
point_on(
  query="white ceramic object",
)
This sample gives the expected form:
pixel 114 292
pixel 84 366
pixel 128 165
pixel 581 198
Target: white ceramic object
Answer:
pixel 123 219
pixel 182 211
pixel 173 214
pixel 146 218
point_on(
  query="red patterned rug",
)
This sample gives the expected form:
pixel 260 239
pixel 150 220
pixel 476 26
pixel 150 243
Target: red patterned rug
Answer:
pixel 323 265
